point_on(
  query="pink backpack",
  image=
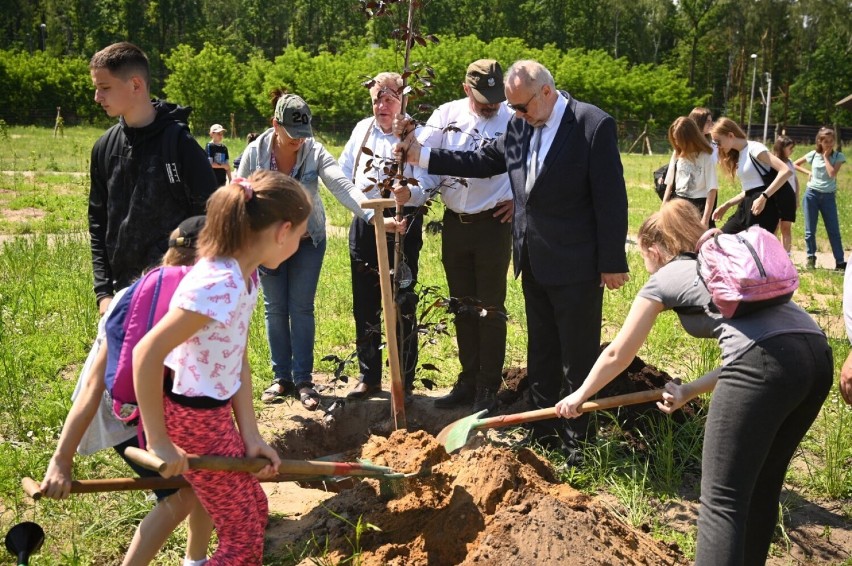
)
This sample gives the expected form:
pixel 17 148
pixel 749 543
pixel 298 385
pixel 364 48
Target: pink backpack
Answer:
pixel 139 309
pixel 747 271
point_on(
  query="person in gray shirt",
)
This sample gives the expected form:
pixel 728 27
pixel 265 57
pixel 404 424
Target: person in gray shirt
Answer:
pixel 777 369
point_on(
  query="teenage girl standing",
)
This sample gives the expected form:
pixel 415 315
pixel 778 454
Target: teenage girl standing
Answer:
pixel 692 169
pixel 202 338
pixel 788 196
pixel 746 159
pixel 821 196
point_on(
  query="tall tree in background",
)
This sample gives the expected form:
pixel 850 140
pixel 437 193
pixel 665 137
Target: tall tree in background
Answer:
pixel 698 18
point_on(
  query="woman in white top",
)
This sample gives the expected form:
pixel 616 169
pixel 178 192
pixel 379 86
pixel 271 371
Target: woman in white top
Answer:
pixel 692 169
pixel 750 162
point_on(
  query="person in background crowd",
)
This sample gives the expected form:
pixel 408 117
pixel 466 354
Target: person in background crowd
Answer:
pixel 742 158
pixel 821 196
pixel 704 118
pixel 217 154
pixel 692 169
pixel 788 195
pixel 137 197
pixel 249 138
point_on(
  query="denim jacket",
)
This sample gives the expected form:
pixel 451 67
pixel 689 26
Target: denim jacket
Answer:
pixel 313 162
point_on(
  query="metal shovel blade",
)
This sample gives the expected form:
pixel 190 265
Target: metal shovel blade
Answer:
pixel 456 434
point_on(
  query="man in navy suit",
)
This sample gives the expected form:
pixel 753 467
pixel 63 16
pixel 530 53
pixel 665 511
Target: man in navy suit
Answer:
pixel 569 229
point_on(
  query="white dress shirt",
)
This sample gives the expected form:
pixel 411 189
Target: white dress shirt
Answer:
pixel 381 144
pixel 474 130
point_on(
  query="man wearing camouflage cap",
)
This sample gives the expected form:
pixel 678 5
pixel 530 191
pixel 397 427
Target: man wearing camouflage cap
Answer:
pixel 477 235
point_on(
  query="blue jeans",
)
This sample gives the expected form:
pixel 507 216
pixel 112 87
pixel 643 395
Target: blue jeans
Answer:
pixel 815 203
pixel 288 295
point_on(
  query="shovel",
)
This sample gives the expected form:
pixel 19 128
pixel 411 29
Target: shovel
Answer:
pixel 288 468
pixel 24 539
pixel 33 488
pixel 456 434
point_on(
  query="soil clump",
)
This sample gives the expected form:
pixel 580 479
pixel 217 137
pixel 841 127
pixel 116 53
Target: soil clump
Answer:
pixel 486 505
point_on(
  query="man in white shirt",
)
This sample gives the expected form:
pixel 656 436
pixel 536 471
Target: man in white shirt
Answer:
pixel 477 235
pixel 364 159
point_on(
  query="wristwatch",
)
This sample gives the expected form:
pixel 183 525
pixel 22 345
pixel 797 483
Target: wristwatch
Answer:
pixel 764 195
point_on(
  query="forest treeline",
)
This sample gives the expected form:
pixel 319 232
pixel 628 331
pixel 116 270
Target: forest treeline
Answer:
pixel 639 59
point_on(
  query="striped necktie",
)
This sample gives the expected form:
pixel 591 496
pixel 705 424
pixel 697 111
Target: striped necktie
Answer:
pixel 535 146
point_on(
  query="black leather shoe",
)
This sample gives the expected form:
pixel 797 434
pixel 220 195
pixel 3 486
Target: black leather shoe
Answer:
pixel 485 399
pixel 459 396
pixel 363 391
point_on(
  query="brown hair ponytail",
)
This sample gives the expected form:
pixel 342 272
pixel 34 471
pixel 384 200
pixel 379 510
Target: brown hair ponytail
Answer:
pixel 235 212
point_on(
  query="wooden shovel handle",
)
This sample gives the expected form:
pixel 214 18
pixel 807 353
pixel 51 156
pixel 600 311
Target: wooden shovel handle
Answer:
pixel 33 488
pixel 215 463
pixel 291 467
pixel 588 406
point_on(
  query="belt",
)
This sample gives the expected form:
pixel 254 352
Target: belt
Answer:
pixel 475 217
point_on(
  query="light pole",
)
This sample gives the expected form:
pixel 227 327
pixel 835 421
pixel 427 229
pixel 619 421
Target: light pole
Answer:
pixel 751 100
pixel 768 104
pixel 42 29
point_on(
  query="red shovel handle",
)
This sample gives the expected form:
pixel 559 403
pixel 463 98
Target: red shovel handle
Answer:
pixel 549 413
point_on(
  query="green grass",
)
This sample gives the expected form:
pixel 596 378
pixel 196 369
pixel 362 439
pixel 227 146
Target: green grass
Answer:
pixel 48 320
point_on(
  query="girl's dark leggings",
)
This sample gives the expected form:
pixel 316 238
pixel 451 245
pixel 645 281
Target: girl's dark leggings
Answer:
pixel 763 405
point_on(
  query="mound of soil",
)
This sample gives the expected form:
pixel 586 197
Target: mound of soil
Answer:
pixel 484 506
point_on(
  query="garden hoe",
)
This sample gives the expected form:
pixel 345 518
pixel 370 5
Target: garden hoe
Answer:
pixel 456 434
pixel 24 539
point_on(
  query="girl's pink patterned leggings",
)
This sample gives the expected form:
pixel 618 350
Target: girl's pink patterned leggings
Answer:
pixel 234 500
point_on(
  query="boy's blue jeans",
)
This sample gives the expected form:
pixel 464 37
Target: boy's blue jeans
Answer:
pixel 288 295
pixel 815 203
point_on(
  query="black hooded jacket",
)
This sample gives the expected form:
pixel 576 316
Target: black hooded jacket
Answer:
pixel 144 182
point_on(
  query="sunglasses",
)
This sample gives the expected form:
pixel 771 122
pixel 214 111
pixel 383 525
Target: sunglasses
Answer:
pixel 522 108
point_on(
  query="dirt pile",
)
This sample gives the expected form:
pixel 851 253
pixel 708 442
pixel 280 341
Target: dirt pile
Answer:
pixel 483 506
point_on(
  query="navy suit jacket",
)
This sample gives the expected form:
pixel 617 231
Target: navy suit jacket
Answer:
pixel 573 224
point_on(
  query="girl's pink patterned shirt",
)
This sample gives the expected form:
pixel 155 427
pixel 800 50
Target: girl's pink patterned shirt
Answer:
pixel 209 363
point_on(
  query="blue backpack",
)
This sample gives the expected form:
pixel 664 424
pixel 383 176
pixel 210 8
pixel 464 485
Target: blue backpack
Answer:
pixel 144 303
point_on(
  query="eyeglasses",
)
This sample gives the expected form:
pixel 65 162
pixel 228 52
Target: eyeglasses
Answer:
pixel 522 108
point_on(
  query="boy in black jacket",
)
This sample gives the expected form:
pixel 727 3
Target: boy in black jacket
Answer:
pixel 147 172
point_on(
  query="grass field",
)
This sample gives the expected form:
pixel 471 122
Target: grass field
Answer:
pixel 48 320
